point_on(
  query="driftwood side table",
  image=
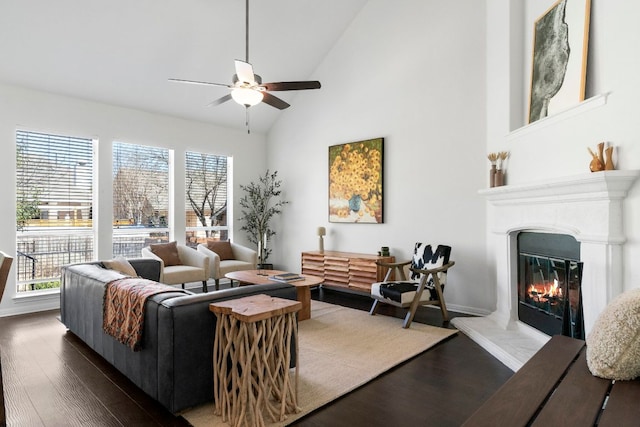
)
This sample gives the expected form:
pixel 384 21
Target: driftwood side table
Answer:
pixel 251 359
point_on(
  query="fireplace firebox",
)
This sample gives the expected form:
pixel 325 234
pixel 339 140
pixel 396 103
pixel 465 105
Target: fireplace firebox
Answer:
pixel 549 279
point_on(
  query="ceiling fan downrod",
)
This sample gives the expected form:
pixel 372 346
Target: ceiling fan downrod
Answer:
pixel 246 32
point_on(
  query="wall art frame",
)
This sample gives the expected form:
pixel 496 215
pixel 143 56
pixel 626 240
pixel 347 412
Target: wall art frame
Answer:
pixel 356 182
pixel 559 58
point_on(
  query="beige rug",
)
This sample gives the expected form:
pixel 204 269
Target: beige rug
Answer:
pixel 340 350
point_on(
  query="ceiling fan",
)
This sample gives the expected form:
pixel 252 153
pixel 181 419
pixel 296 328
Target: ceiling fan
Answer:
pixel 247 88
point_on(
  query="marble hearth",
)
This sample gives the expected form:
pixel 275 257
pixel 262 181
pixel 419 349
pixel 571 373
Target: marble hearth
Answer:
pixel 587 207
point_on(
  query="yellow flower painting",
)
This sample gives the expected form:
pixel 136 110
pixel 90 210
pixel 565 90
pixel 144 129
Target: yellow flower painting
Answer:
pixel 355 182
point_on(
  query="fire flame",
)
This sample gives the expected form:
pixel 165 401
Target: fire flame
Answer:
pixel 544 291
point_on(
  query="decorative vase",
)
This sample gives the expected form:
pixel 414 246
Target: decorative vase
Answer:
pixel 608 164
pixel 492 176
pixel 601 153
pixel 499 178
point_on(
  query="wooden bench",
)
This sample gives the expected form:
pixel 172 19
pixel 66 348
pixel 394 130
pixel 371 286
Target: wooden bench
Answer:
pixel 556 388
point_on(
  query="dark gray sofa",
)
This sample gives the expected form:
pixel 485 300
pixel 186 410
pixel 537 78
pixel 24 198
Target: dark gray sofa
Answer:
pixel 175 363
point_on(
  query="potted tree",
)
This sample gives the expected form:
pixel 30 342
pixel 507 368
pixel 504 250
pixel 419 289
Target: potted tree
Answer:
pixel 260 204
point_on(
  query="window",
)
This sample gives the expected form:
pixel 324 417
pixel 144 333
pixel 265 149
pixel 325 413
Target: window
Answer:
pixel 206 197
pixel 54 194
pixel 140 197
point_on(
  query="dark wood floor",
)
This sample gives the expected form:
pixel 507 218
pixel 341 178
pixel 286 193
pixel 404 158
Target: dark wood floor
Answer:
pixel 51 378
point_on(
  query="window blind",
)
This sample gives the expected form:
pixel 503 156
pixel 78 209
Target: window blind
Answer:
pixel 54 177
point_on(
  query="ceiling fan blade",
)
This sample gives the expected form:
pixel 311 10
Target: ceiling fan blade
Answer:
pixel 244 71
pixel 219 100
pixel 292 85
pixel 274 101
pixel 195 82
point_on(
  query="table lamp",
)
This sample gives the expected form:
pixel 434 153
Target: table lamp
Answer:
pixel 321 232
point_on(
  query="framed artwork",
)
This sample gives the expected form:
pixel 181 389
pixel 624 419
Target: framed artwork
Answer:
pixel 559 65
pixel 355 182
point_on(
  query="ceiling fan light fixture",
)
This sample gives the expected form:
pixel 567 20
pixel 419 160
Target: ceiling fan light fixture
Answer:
pixel 247 97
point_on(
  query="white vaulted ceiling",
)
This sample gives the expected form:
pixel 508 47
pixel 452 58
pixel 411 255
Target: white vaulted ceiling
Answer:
pixel 122 52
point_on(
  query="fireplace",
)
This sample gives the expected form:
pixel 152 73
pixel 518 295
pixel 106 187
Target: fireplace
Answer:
pixel 585 207
pixel 549 280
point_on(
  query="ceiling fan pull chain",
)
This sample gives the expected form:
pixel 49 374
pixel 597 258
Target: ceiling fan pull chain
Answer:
pixel 246 121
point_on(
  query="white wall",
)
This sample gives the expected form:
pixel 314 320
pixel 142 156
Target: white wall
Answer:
pixel 38 111
pixel 557 146
pixel 413 72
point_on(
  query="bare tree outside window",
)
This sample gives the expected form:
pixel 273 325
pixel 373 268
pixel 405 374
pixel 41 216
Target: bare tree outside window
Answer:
pixel 206 193
pixel 140 197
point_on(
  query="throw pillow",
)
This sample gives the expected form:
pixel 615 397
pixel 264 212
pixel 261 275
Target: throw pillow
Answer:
pixel 613 346
pixel 223 249
pixel 122 265
pixel 167 252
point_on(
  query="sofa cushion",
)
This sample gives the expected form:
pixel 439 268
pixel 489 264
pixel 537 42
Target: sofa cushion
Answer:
pixel 223 249
pixel 120 264
pixel 613 346
pixel 167 252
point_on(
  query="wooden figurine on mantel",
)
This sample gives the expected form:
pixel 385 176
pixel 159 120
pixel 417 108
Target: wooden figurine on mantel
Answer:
pixel 598 162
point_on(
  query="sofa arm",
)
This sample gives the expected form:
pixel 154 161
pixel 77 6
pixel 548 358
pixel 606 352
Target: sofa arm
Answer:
pixel 146 253
pixel 147 268
pixel 242 253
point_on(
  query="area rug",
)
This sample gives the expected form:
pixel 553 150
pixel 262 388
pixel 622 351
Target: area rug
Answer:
pixel 340 350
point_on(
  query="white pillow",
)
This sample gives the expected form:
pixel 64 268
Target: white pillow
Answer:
pixel 122 265
pixel 613 346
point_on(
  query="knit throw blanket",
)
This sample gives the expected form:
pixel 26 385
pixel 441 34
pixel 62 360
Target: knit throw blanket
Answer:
pixel 123 308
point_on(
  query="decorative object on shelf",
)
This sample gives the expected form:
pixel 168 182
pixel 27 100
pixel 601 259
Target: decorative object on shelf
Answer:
pixel 501 171
pixel 321 232
pixel 384 251
pixel 558 72
pixel 493 158
pixel 597 159
pixel 260 204
pixel 608 164
pixel 355 182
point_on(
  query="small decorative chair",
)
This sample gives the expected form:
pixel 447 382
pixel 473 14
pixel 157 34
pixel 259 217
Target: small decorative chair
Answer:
pixel 225 257
pixel 428 272
pixel 180 264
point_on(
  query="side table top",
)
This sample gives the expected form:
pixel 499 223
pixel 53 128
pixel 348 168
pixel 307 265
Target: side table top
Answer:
pixel 254 308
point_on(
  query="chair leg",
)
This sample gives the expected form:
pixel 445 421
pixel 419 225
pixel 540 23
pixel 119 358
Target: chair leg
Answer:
pixel 408 319
pixel 217 284
pixel 412 311
pixel 374 307
pixel 443 305
pixel 204 286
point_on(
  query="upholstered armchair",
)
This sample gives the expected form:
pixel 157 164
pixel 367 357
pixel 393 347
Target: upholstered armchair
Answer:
pixel 180 264
pixel 225 257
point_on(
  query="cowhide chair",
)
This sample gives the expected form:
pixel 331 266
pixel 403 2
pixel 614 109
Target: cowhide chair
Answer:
pixel 428 276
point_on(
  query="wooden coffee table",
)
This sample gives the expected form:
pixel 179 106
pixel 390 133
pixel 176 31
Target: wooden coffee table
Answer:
pixel 261 277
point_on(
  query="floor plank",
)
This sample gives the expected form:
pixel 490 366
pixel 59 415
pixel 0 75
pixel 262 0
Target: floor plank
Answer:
pixel 51 378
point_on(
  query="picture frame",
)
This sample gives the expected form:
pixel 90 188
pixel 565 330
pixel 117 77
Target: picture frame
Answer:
pixel 559 58
pixel 356 182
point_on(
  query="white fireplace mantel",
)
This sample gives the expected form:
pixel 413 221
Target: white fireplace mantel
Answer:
pixel 587 207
